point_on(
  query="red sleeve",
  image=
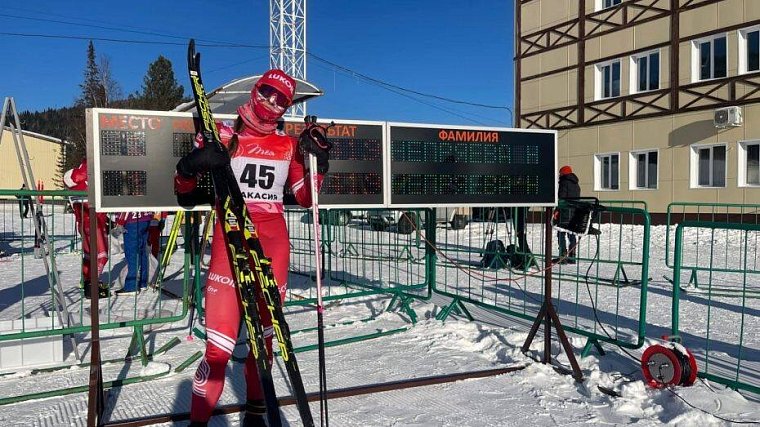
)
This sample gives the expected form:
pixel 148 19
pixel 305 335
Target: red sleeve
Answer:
pixel 76 179
pixel 298 177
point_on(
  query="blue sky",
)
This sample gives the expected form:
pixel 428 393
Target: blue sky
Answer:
pixel 452 49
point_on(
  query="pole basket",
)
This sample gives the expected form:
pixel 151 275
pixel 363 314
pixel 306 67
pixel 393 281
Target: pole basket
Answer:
pixel 667 365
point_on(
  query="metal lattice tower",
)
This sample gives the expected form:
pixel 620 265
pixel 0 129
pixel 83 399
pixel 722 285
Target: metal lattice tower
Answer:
pixel 287 42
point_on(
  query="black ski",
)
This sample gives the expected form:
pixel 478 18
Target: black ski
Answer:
pixel 230 207
pixel 251 269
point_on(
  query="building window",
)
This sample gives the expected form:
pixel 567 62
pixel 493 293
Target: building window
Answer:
pixel 607 171
pixel 608 80
pixel 645 72
pixel 708 166
pixel 606 4
pixel 749 163
pixel 709 58
pixel 749 50
pixel 643 170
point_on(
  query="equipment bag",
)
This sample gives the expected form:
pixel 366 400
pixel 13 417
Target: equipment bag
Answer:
pixel 495 255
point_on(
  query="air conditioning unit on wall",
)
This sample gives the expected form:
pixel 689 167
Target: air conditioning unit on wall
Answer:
pixel 727 116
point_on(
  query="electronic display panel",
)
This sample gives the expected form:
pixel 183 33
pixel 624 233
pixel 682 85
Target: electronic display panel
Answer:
pixel 135 153
pixel 447 166
pixel 355 178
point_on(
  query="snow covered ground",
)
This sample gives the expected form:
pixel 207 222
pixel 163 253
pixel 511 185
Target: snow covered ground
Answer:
pixel 536 395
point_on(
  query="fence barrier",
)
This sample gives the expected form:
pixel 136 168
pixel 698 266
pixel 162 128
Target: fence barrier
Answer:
pixel 40 308
pixel 612 265
pixel 414 254
pixel 727 293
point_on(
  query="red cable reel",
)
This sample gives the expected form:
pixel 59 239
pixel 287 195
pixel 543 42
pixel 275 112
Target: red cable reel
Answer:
pixel 668 365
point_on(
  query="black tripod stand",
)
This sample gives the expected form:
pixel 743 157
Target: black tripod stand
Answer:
pixel 548 314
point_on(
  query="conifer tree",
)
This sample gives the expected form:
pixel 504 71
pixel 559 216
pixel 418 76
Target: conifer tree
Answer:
pixel 160 90
pixel 93 92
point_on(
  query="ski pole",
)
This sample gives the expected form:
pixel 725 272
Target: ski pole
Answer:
pixel 311 123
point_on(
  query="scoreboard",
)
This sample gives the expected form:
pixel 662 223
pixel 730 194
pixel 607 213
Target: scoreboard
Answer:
pixel 372 164
pixel 356 175
pixel 133 154
pixel 439 165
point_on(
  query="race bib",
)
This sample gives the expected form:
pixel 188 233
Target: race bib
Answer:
pixel 261 180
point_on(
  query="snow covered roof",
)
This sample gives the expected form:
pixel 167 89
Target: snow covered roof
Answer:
pixel 226 99
pixel 40 136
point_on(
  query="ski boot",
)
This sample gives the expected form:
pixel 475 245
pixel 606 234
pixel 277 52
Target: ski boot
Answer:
pixel 103 291
pixel 561 258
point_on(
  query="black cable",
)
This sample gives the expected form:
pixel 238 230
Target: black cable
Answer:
pixel 389 85
pixel 227 44
pixel 123 29
pixel 399 90
pixel 131 41
pixel 593 306
pixel 639 360
pixel 710 413
pixel 390 88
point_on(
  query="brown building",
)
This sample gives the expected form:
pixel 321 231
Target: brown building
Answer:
pixel 653 100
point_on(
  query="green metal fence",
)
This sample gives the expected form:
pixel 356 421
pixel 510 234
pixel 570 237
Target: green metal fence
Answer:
pixel 358 259
pixel 26 292
pixel 414 256
pixel 727 295
pixel 15 227
pixel 613 265
pixel 729 213
pixel 41 294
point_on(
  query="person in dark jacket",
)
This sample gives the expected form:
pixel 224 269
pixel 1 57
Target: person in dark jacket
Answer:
pixel 23 203
pixel 568 189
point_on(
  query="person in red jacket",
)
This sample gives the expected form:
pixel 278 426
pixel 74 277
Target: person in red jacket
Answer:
pixel 264 160
pixel 76 179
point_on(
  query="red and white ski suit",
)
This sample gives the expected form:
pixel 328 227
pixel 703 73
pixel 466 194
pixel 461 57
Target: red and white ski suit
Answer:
pixel 263 166
pixel 76 179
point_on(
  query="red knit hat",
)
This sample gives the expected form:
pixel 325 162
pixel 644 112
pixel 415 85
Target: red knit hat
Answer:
pixel 565 170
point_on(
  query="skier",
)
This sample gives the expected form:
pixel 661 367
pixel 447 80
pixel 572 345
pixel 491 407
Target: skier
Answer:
pixel 264 160
pixel 76 179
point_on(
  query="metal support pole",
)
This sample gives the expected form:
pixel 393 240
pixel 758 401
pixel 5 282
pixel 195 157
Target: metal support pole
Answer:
pixel 95 393
pixel 548 314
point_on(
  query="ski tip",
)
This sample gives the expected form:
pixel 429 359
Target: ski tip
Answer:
pixel 192 57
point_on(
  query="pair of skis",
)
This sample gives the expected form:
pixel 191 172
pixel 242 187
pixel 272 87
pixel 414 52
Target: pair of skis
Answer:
pixel 251 269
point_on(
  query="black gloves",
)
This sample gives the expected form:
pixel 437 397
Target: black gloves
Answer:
pixel 191 184
pixel 313 141
pixel 202 160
